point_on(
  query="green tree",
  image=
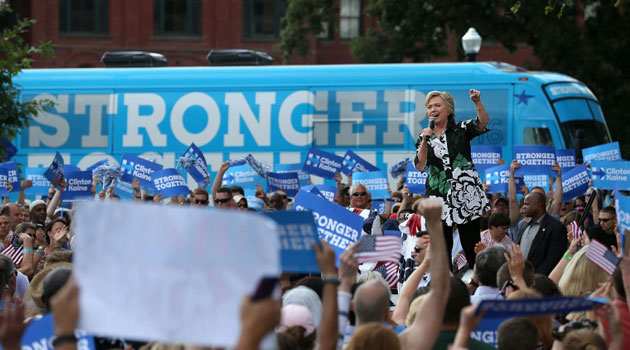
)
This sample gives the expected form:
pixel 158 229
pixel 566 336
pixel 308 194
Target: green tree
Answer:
pixel 16 54
pixel 586 39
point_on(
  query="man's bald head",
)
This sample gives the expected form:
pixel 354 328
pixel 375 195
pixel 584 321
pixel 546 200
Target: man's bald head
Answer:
pixel 371 302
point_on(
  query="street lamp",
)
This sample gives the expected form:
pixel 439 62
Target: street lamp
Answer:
pixel 471 42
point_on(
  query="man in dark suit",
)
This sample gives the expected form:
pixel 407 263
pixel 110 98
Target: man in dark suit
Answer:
pixel 543 239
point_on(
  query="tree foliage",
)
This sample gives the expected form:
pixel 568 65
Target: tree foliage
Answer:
pixel 586 39
pixel 16 54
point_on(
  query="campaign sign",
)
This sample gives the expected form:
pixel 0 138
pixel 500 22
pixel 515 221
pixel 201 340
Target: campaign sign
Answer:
pixel 4 177
pixel 40 183
pixel 353 163
pixel 538 306
pixel 485 157
pixel 297 233
pixel 97 164
pixel 532 181
pixel 535 159
pixel 566 159
pixel 290 168
pixel 13 174
pixel 498 178
pixel 322 163
pixel 241 175
pixel 78 184
pixel 416 180
pixel 486 332
pixel 326 191
pixel 574 182
pixel 39 333
pixel 288 182
pixel 337 226
pixel 375 182
pixel 379 206
pixel 611 175
pixel 199 170
pixel 253 201
pixel 607 152
pixel 68 168
pixel 54 173
pixel 622 205
pixel 169 183
pixel 138 168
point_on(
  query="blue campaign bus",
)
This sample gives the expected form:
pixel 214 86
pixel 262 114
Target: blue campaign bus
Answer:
pixel 277 112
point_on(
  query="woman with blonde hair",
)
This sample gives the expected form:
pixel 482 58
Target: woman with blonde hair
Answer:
pixel 581 277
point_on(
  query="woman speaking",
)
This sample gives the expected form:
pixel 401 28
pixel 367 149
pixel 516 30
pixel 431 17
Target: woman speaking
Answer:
pixel 444 147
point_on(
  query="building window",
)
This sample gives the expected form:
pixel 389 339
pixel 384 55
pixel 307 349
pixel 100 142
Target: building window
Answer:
pixel 177 17
pixel 350 19
pixel 262 18
pixel 84 16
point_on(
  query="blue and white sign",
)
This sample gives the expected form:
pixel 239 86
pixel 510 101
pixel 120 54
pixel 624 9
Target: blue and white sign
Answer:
pixel 288 182
pixel 38 335
pixel 97 164
pixel 169 183
pixel 78 185
pixel 485 157
pixel 535 160
pixel 253 201
pixel 297 233
pixel 322 163
pixel 532 181
pixel 375 182
pixel 611 175
pixel 241 175
pixel 379 206
pixel 13 174
pixel 566 159
pixel 54 173
pixel 4 178
pixel 138 168
pixel 575 182
pixel 622 205
pixel 608 152
pixel 337 226
pixel 326 191
pixel 538 306
pixel 40 183
pixel 199 170
pixel 498 178
pixel 416 180
pixel 353 163
pixel 290 168
pixel 486 332
pixel 68 168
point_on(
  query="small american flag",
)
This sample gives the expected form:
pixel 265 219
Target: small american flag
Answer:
pixel 461 260
pixel 389 271
pixel 601 256
pixel 14 253
pixel 379 248
pixel 576 230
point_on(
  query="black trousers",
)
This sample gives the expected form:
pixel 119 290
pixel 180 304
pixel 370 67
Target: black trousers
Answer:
pixel 468 235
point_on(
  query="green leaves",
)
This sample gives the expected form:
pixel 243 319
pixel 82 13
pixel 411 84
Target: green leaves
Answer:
pixel 17 55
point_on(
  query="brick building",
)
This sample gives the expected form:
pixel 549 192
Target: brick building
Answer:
pixel 185 30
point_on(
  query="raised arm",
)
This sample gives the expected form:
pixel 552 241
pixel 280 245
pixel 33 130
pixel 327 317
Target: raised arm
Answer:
pixel 482 114
pixel 54 202
pixel 562 264
pixel 426 326
pixel 420 161
pixel 407 198
pixel 512 200
pixel 557 195
pixel 411 284
pixel 328 329
pixel 217 180
pixel 24 185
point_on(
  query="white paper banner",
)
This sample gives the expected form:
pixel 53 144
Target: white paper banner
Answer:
pixel 168 273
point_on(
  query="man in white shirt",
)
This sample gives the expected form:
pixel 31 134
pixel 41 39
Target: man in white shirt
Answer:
pixel 487 263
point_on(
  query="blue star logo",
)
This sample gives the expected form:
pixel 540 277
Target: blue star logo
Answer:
pixel 127 166
pixel 523 97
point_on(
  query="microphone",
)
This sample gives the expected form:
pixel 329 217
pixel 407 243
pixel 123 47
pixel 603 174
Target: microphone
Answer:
pixel 431 122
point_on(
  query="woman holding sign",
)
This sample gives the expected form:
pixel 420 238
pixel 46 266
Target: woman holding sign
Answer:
pixel 444 148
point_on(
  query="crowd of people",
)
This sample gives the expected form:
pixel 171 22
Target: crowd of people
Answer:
pixel 455 254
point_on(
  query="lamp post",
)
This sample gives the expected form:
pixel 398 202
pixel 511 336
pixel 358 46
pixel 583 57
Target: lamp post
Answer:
pixel 471 42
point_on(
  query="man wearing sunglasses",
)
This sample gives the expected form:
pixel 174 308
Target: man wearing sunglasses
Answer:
pixel 200 198
pixel 359 197
pixel 606 230
pixel 223 199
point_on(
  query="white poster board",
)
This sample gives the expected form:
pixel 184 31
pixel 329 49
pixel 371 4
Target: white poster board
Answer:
pixel 169 274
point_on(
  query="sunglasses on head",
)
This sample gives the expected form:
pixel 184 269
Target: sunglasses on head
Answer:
pixel 201 201
pixel 356 194
pixel 221 200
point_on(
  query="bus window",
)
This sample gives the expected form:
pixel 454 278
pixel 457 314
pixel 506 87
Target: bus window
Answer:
pixel 579 134
pixel 537 136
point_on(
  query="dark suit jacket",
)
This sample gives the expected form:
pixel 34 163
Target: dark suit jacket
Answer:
pixel 549 244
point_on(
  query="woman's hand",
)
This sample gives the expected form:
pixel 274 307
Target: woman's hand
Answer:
pixel 475 95
pixel 426 133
